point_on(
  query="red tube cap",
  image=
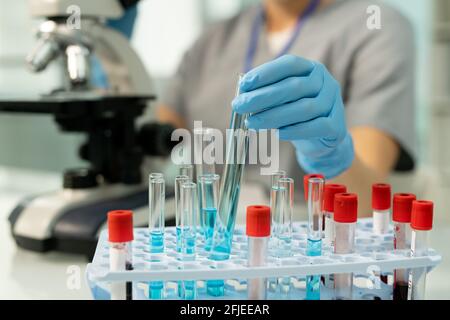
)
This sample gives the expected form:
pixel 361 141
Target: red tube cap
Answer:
pixel 422 215
pixel 345 207
pixel 305 182
pixel 381 196
pixel 258 221
pixel 120 226
pixel 402 206
pixel 328 195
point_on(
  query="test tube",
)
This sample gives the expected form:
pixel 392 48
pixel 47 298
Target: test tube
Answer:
pixel 237 149
pixel 188 227
pixel 345 217
pixel 209 194
pixel 401 215
pixel 179 180
pixel 421 224
pixel 314 244
pixel 258 232
pixel 186 170
pixel 282 225
pixel 330 190
pixel 381 205
pixel 273 282
pixel 203 164
pixel 156 200
pixel 120 236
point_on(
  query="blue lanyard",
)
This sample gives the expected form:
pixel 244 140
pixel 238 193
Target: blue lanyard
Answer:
pixel 257 24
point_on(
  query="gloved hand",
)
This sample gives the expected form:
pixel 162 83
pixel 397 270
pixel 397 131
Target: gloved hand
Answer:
pixel 301 99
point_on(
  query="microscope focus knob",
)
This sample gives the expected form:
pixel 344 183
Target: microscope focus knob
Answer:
pixel 79 179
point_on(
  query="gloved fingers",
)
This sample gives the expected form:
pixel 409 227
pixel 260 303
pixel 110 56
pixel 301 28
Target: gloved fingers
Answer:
pixel 298 111
pixel 276 70
pixel 279 93
pixel 315 128
pixel 288 114
pixel 331 165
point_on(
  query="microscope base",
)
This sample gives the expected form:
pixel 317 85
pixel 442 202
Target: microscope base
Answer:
pixel 70 220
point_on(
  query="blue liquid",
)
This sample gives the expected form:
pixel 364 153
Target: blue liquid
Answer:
pixel 178 234
pixel 313 249
pixel 215 288
pixel 155 290
pixel 156 241
pixel 208 221
pixel 189 292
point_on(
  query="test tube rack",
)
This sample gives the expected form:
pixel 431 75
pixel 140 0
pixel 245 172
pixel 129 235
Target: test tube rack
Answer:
pixel 374 255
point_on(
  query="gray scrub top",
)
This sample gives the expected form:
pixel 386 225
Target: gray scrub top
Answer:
pixel 375 69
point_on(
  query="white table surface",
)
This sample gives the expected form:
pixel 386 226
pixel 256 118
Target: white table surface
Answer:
pixel 30 275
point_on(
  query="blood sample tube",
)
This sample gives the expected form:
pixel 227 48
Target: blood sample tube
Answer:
pixel 421 224
pixel 381 205
pixel 345 217
pixel 258 232
pixel 330 190
pixel 120 236
pixel 401 215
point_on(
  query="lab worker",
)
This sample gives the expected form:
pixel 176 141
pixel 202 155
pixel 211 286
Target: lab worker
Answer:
pixel 341 93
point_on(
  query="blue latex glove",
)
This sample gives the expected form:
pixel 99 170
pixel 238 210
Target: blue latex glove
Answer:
pixel 301 99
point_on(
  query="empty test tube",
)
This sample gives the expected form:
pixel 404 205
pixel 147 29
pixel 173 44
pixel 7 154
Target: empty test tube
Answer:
pixel 381 205
pixel 274 177
pixel 120 236
pixel 258 232
pixel 282 225
pixel 421 225
pixel 306 182
pixel 188 229
pixel 314 244
pixel 401 215
pixel 345 217
pixel 179 180
pixel 237 149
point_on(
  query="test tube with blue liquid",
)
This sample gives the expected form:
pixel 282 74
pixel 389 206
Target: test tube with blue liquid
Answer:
pixel 179 180
pixel 156 199
pixel 237 149
pixel 209 195
pixel 188 229
pixel 314 242
pixel 283 199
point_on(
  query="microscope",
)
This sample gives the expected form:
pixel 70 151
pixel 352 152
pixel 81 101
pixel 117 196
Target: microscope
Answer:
pixel 70 219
